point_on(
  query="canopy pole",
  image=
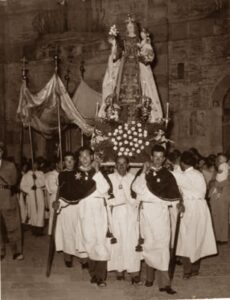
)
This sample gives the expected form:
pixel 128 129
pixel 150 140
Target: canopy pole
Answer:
pixel 25 79
pixel 68 134
pixel 56 59
pixel 82 70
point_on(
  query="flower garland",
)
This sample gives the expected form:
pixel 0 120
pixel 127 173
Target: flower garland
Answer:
pixel 129 139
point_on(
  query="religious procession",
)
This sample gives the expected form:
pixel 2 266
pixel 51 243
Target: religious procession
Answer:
pixel 127 201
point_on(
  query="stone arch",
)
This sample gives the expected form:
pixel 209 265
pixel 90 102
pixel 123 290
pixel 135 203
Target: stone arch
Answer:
pixel 220 91
pixel 218 115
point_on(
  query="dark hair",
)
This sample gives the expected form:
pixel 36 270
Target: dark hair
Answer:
pixel 195 152
pixel 222 154
pixel 85 148
pixel 172 157
pixel 122 156
pixel 188 158
pixel 68 153
pixel 158 148
pixel 177 153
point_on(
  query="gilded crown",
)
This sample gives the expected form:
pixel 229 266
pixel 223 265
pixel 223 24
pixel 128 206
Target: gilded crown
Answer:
pixel 130 19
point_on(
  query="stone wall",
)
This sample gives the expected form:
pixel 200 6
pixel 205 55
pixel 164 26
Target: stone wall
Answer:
pixel 191 39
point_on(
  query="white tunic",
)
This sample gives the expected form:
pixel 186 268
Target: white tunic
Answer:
pixel 94 223
pixel 155 226
pixel 196 238
pixel 81 228
pixel 51 182
pixel 124 225
pixel 36 204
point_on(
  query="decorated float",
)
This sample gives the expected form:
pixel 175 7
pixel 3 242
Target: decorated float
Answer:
pixel 126 119
pixel 130 119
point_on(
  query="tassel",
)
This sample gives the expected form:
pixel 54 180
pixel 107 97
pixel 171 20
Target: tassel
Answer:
pixel 141 241
pixel 139 248
pixel 109 234
pixel 113 240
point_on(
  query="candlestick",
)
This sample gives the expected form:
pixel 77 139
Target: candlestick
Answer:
pixel 167 110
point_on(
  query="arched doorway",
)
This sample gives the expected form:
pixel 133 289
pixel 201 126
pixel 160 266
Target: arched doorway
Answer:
pixel 226 123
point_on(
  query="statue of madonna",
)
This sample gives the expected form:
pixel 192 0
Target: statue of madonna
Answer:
pixel 129 80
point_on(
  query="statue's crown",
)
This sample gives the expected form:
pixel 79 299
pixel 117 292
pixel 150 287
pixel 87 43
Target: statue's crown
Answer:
pixel 130 18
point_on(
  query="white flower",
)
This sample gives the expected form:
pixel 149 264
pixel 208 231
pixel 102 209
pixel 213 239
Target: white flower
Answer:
pixel 142 147
pixel 140 134
pixel 135 139
pixel 130 154
pixel 138 124
pixel 130 137
pixel 113 140
pixel 138 151
pixel 139 130
pixel 109 134
pixel 133 149
pixel 113 30
pixel 120 143
pixel 120 131
pixel 125 153
pixel 147 143
pixel 127 149
pixel 136 145
pixel 115 148
pixel 135 133
pixel 119 153
pixel 115 131
pixel 133 122
pixel 125 135
pixel 131 143
pixel 140 142
pixel 119 127
pixel 122 149
pixel 118 138
pixel 132 128
pixel 126 142
pixel 129 131
pixel 145 133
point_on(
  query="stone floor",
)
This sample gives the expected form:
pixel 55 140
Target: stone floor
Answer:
pixel 26 280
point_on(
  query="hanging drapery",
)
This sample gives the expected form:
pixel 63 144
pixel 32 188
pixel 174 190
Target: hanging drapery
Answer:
pixel 87 102
pixel 41 108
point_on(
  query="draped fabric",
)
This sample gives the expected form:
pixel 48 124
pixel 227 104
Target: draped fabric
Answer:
pixel 41 108
pixel 87 102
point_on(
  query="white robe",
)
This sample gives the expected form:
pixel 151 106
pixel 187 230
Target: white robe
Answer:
pixel 36 204
pixel 81 228
pixel 196 238
pixel 124 226
pixel 51 182
pixel 155 226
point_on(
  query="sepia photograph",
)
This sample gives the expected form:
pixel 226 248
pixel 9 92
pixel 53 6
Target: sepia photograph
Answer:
pixel 114 149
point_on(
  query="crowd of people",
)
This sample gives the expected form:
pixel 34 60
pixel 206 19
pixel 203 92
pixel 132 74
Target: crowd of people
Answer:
pixel 112 221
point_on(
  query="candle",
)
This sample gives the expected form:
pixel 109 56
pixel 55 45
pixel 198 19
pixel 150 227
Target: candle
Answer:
pixel 97 109
pixel 167 111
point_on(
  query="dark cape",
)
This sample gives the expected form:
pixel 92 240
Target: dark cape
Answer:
pixel 163 184
pixel 76 185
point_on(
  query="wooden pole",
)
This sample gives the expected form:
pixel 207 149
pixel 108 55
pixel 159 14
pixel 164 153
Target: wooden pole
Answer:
pixel 56 59
pixel 25 79
pixel 82 70
pixel 68 133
